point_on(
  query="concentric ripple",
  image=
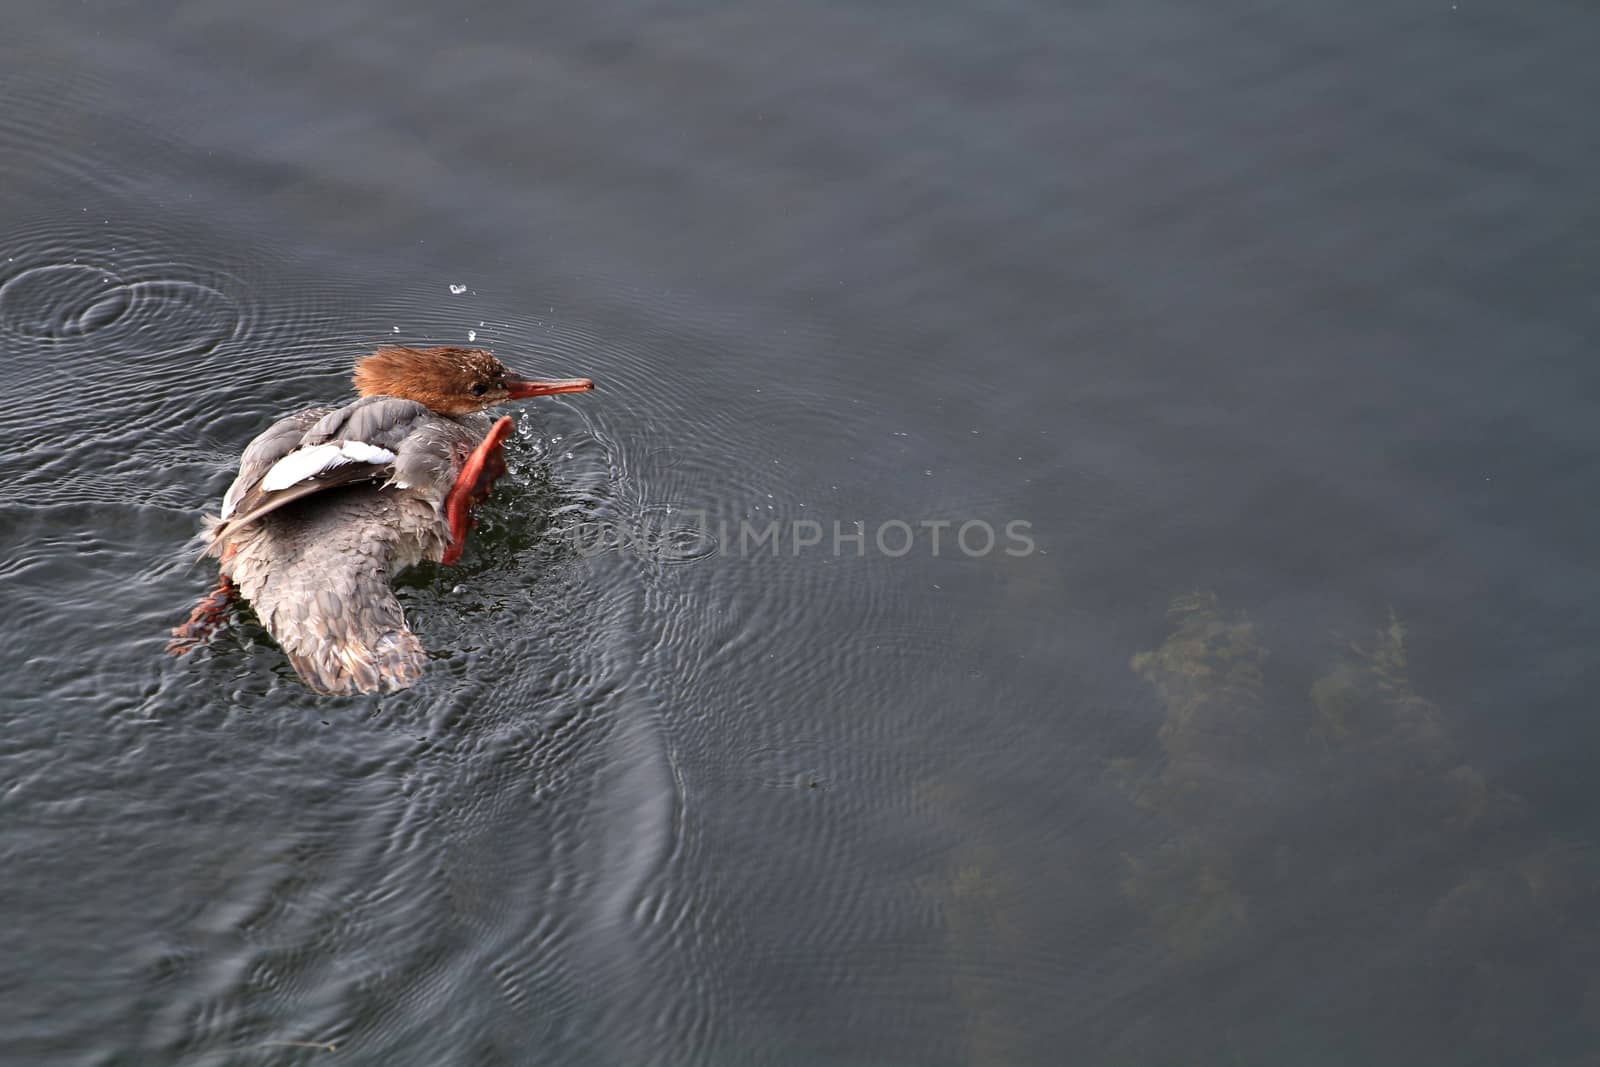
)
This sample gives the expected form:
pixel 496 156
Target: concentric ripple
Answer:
pixel 59 300
pixel 157 316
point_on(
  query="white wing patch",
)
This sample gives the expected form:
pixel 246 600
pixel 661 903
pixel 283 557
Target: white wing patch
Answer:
pixel 362 452
pixel 305 463
pixel 230 500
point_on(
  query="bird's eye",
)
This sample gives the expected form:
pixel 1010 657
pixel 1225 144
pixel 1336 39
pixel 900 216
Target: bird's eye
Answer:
pixel 479 389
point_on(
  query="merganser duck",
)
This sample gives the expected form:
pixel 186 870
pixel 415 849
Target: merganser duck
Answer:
pixel 330 502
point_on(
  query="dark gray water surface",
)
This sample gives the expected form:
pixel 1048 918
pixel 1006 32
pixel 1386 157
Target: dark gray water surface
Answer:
pixel 1274 323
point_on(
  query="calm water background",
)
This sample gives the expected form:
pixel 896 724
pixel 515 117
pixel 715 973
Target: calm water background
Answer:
pixel 1275 321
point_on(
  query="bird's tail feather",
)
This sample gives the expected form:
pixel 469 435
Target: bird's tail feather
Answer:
pixel 348 664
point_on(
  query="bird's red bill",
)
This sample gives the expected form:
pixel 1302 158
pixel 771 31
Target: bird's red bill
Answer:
pixel 523 388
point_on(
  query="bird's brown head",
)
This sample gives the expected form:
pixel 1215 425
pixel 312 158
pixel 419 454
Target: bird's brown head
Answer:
pixel 451 381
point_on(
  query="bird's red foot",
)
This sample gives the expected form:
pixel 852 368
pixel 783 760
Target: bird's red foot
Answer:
pixel 206 618
pixel 478 475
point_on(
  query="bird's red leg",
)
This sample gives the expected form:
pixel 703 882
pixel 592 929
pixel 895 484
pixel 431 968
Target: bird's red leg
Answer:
pixel 206 618
pixel 486 464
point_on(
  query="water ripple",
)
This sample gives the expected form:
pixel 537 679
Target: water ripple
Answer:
pixel 66 306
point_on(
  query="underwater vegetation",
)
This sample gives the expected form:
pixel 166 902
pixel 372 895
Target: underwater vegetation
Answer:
pixel 1361 890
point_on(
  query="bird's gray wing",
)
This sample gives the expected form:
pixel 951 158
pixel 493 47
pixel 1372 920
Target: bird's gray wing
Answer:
pixel 367 440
